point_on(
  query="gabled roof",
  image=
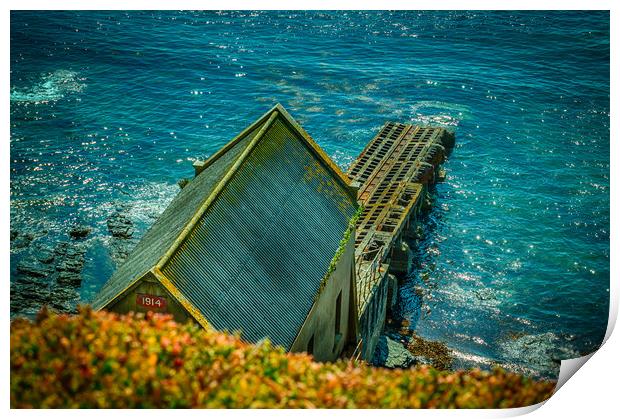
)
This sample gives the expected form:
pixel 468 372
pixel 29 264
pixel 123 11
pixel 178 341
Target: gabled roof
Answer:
pixel 246 243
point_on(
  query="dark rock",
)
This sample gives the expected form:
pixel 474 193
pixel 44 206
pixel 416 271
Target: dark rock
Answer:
pixel 120 226
pixel 45 254
pixel 80 232
pixel 14 234
pixel 28 280
pixel 64 292
pixel 119 250
pixel 73 251
pixel 64 306
pixel 71 265
pixel 33 269
pixel 52 276
pixel 73 259
pixel 22 240
pixel 34 293
pixel 183 182
pixel 122 230
pixel 61 248
pixel 69 278
pixel 392 354
pixel 64 295
pixel 448 139
pixel 427 204
pixel 485 294
pixel 28 297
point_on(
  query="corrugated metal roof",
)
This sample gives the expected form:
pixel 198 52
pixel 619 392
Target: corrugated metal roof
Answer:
pixel 162 234
pixel 252 254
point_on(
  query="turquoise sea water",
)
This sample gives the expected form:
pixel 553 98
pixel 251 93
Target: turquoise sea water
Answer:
pixel 110 108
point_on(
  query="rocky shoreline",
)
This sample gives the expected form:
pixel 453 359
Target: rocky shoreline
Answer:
pixel 51 274
pixel 122 230
pixel 406 349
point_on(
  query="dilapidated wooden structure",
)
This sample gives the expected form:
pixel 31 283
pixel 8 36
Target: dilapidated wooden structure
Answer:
pixel 260 241
pixel 393 174
pixel 271 239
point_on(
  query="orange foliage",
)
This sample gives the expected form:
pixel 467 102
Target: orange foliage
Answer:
pixel 105 360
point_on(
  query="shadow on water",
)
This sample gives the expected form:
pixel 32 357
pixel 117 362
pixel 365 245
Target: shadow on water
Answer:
pixel 415 290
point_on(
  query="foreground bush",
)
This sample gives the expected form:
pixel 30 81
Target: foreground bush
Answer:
pixel 107 360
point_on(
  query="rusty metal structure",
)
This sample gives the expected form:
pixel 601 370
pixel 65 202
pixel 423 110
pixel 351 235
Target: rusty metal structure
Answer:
pixel 393 173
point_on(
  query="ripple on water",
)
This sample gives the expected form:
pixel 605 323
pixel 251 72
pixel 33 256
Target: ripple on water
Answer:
pixel 541 352
pixel 519 175
pixel 51 87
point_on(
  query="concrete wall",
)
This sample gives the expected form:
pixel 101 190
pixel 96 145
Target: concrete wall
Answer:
pixel 149 285
pixel 372 319
pixel 320 324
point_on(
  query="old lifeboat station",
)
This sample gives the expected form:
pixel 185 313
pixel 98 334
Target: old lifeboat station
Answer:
pixel 272 239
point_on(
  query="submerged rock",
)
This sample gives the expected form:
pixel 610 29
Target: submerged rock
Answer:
pixel 432 352
pixel 485 294
pixel 541 351
pixel 33 268
pixel 20 240
pixel 80 232
pixel 120 226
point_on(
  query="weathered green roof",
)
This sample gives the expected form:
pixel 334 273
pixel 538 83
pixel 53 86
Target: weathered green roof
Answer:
pixel 160 237
pixel 245 245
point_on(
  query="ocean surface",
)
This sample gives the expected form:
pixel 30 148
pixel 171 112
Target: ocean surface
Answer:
pixel 110 109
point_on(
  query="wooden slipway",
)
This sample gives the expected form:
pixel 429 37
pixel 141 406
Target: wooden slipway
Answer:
pixel 392 173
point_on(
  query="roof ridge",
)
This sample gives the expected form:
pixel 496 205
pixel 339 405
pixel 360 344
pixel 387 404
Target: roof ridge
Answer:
pixel 270 116
pixel 273 114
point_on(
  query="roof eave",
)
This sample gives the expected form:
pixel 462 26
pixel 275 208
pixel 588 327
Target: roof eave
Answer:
pixel 99 305
pixel 181 299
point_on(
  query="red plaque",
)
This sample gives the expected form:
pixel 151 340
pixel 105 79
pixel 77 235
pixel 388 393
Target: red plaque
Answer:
pixel 153 302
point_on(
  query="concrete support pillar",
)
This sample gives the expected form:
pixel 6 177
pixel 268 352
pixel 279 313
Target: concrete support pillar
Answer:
pixel 392 294
pixel 448 139
pixel 198 166
pixel 400 265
